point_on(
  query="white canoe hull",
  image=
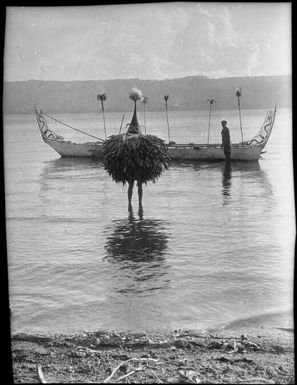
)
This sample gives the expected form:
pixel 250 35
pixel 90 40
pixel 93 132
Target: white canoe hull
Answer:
pixel 94 150
pixel 80 150
pixel 246 151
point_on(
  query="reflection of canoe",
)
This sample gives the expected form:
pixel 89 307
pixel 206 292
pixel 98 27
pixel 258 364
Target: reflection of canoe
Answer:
pixel 248 150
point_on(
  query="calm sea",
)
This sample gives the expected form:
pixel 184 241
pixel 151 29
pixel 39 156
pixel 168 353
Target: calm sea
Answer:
pixel 213 245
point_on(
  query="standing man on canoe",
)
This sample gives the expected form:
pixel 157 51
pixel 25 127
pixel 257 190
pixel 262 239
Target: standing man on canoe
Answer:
pixel 226 143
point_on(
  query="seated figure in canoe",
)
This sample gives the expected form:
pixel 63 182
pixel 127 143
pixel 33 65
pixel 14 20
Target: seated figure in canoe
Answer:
pixel 133 156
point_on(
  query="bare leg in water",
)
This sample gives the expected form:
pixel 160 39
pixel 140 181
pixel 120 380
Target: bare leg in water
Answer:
pixel 139 185
pixel 130 193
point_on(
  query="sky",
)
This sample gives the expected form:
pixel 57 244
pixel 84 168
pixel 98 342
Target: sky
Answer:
pixel 147 41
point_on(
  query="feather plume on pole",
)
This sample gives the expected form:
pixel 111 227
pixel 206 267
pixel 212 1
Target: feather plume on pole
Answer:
pixel 166 97
pixel 102 98
pixel 136 94
pixel 211 101
pixel 238 93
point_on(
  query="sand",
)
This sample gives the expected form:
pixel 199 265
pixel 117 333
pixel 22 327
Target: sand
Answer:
pixel 232 355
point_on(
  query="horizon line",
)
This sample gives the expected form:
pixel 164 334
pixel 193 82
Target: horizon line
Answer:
pixel 151 79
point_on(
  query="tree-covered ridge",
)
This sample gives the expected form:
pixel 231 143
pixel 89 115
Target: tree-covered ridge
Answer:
pixel 189 93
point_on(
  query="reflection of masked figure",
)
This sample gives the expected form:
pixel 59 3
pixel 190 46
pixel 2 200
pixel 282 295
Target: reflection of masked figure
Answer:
pixel 136 249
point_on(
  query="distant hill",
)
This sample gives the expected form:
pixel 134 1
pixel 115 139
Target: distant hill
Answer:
pixel 189 93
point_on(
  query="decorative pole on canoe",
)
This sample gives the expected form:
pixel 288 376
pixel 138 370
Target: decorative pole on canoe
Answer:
pixel 102 98
pixel 144 101
pixel 210 104
pixel 121 124
pixel 166 97
pixel 238 93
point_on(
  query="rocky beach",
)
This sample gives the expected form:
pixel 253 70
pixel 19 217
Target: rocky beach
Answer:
pixel 229 356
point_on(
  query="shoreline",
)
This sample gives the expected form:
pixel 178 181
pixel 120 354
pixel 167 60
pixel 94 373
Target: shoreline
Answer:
pixel 231 355
pixel 271 323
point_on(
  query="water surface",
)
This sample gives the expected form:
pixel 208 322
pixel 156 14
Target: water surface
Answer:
pixel 214 244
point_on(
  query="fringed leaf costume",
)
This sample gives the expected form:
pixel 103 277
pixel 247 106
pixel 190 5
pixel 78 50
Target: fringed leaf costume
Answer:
pixel 133 156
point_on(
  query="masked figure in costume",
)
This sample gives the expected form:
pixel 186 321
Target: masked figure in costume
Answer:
pixel 133 156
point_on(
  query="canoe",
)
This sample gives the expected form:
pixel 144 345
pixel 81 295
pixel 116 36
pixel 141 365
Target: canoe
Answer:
pixel 243 151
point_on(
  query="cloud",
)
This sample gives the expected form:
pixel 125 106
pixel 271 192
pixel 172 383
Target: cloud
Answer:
pixel 158 40
pixel 220 29
pixel 253 59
